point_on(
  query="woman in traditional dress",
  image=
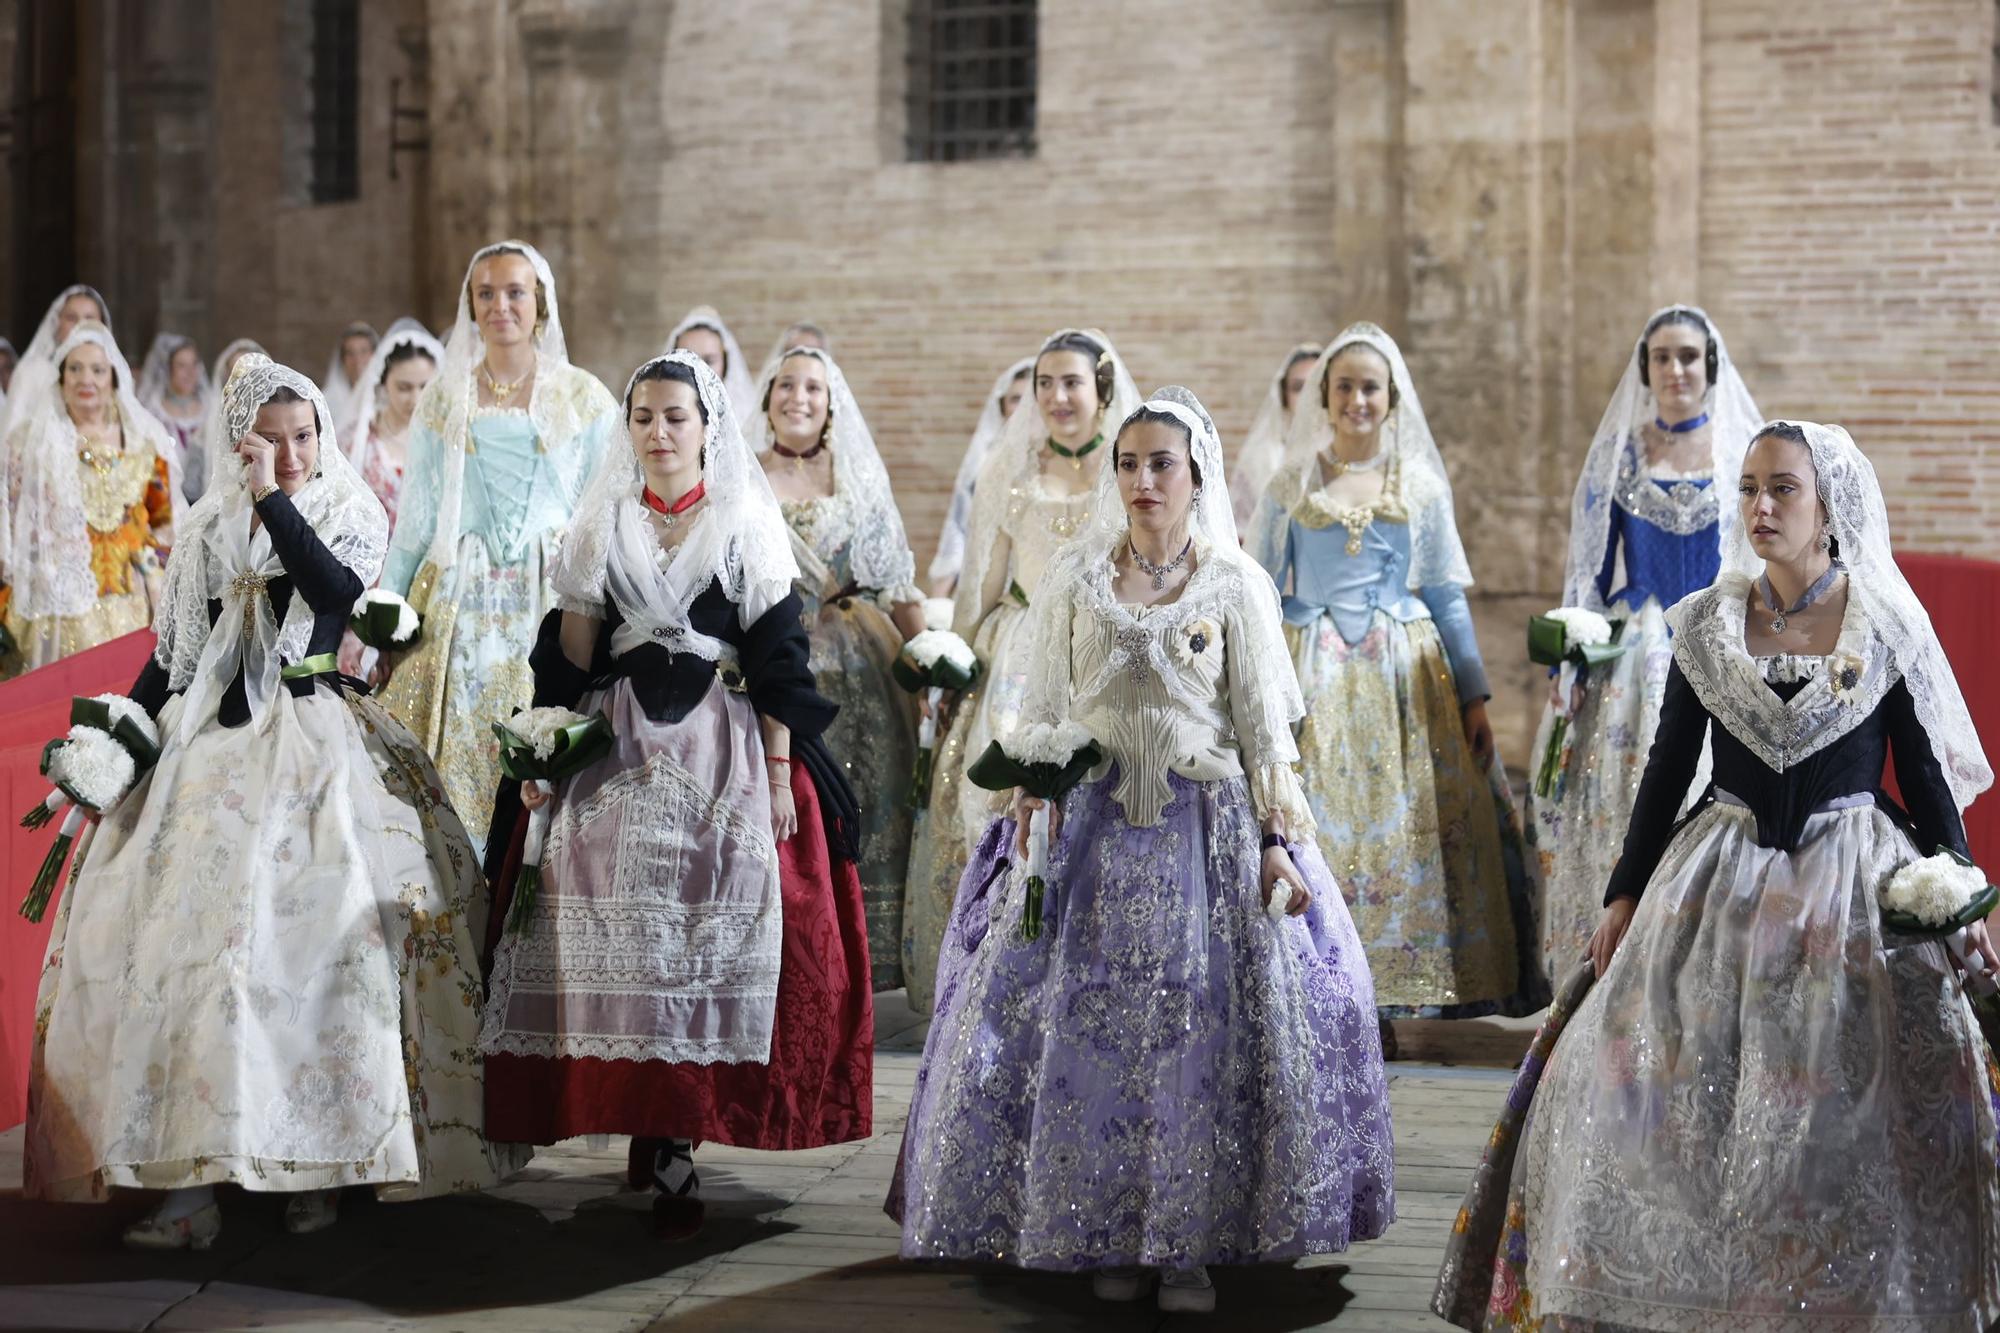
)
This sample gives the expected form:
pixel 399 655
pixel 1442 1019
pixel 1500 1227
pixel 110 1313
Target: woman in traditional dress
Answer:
pixel 1414 814
pixel 392 384
pixel 695 965
pixel 194 478
pixel 264 972
pixel 1771 1113
pixel 1263 448
pixel 1034 491
pixel 1646 529
pixel 498 454
pixel 1172 1074
pixel 89 508
pixel 173 386
pixel 702 332
pixel 858 581
pixel 35 375
pixel 804 333
pixel 344 370
pixel 1007 393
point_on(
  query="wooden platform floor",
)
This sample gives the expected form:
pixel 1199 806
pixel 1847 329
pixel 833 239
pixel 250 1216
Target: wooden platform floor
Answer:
pixel 794 1241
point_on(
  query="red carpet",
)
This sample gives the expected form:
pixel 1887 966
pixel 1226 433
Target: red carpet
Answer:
pixel 33 709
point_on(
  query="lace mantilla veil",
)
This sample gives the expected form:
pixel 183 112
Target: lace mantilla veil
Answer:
pixel 358 430
pixel 738 380
pixel 156 375
pixel 1263 449
pixel 1891 637
pixel 862 511
pixel 339 390
pixel 35 369
pixel 453 396
pixel 216 556
pixel 44 531
pixel 1437 556
pixel 950 557
pixel 1015 460
pixel 740 537
pixel 1225 576
pixel 1617 455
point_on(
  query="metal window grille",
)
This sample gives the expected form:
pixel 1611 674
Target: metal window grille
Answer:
pixel 336 100
pixel 971 79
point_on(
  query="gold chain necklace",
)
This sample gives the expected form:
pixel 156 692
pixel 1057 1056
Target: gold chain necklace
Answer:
pixel 502 390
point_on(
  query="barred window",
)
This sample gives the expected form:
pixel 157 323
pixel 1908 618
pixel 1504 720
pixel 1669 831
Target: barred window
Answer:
pixel 336 100
pixel 971 79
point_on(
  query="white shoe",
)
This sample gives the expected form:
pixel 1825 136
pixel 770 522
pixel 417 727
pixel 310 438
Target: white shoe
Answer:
pixel 313 1211
pixel 1186 1291
pixel 191 1231
pixel 1122 1283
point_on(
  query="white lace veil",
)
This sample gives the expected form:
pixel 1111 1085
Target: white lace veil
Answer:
pixel 35 369
pixel 1263 448
pixel 1895 618
pixel 1437 556
pixel 862 512
pixel 740 537
pixel 339 389
pixel 453 395
pixel 737 376
pixel 214 549
pixel 1617 455
pixel 210 442
pixel 358 430
pixel 1015 459
pixel 778 347
pixel 157 371
pixel 44 532
pixel 1212 519
pixel 985 432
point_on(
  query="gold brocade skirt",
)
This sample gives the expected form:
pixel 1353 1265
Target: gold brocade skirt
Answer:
pixel 1422 839
pixel 46 639
pixel 874 738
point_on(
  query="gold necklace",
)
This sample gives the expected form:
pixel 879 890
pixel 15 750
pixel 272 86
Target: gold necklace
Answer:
pixel 500 390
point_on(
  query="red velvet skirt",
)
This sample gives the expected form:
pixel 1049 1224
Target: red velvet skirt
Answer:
pixel 817 1088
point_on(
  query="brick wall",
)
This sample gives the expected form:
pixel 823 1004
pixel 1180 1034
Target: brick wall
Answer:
pixel 1851 238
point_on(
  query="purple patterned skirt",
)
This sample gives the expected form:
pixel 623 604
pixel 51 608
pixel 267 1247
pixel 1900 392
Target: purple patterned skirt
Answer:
pixel 1167 1076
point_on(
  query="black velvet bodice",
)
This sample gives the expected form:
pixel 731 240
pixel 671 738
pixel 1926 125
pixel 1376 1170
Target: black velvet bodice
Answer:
pixel 1781 802
pixel 311 572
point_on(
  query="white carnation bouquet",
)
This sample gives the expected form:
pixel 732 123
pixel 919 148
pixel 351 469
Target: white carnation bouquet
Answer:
pixel 110 742
pixel 384 621
pixel 543 746
pixel 934 661
pixel 1572 640
pixel 1936 896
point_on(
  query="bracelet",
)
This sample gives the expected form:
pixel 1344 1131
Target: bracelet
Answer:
pixel 263 492
pixel 1275 840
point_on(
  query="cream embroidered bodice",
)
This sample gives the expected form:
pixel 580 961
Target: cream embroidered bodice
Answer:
pixel 1202 686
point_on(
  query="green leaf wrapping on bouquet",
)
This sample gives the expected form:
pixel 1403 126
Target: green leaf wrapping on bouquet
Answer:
pixel 1983 902
pixel 577 747
pixel 996 770
pixel 376 628
pixel 88 712
pixel 44 887
pixel 920 779
pixel 942 675
pixel 1548 644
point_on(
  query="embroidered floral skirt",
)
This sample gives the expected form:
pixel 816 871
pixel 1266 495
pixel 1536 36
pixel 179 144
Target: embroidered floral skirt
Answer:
pixel 682 976
pixel 1759 1120
pixel 1166 1075
pixel 959 812
pixel 1423 840
pixel 874 738
pixel 471 668
pixel 47 639
pixel 265 973
pixel 1576 834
